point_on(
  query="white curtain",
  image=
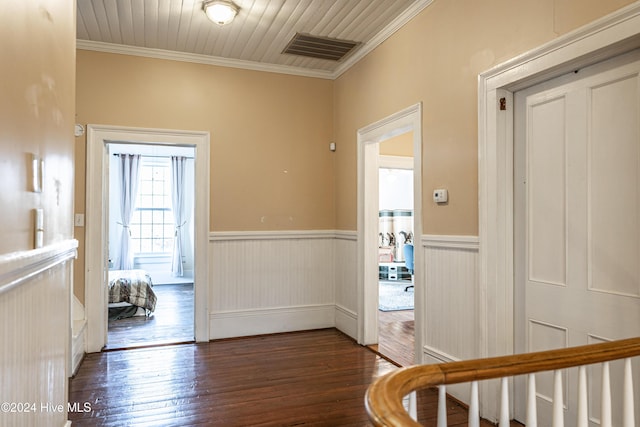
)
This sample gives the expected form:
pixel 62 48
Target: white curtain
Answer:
pixel 178 164
pixel 129 179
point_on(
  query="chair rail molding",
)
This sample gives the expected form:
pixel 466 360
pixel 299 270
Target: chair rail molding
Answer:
pixel 217 236
pixel 444 241
pixel 19 267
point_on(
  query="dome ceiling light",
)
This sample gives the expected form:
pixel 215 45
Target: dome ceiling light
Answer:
pixel 221 12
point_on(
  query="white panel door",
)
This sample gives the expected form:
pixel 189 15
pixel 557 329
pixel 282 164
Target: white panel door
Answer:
pixel 577 219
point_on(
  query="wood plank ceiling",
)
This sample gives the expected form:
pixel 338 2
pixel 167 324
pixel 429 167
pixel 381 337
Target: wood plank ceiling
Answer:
pixel 255 40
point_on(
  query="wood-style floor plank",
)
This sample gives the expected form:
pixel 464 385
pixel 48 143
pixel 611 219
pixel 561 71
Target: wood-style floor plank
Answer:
pixel 317 377
pixel 171 322
pixel 396 336
pixel 302 378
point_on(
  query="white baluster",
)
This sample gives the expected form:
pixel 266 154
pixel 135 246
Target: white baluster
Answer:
pixel 558 401
pixel 583 402
pixel 628 417
pixel 442 406
pixel 532 410
pixel 605 411
pixel 413 406
pixel 474 406
pixel 504 403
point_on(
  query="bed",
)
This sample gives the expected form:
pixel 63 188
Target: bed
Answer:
pixel 130 293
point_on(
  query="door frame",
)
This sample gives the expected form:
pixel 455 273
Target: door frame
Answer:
pixel 602 39
pixel 407 120
pixel 96 232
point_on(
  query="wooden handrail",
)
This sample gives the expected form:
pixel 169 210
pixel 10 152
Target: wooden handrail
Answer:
pixel 384 397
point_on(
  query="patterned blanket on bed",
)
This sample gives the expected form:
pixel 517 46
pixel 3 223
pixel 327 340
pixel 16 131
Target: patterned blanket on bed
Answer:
pixel 133 287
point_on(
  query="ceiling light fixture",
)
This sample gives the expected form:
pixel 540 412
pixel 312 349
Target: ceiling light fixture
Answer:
pixel 221 12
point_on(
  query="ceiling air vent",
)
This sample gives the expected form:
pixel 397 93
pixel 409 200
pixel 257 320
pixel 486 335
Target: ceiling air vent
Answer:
pixel 319 47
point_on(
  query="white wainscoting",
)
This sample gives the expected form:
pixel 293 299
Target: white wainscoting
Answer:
pixel 346 253
pixel 35 317
pixel 270 282
pixel 78 335
pixel 452 329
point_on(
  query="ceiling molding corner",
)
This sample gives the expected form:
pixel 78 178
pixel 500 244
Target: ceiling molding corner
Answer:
pixel 363 51
pixel 199 59
pixel 383 35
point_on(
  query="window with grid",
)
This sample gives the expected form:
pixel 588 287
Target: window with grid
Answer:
pixel 152 227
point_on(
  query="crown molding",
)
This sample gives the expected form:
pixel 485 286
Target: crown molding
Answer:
pixel 387 32
pixel 199 59
pixel 383 35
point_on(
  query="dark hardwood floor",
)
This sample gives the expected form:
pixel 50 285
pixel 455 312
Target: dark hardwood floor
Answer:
pixel 171 322
pixel 301 378
pixel 396 336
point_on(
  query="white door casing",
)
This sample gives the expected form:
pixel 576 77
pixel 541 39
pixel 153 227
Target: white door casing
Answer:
pixel 577 217
pixel 604 38
pixel 407 120
pixel 96 244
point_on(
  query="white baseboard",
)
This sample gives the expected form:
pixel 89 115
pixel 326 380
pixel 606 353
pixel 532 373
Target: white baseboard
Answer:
pixel 347 321
pixel 242 323
pixel 78 345
pixel 433 355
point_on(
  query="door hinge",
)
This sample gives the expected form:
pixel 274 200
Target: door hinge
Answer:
pixel 503 104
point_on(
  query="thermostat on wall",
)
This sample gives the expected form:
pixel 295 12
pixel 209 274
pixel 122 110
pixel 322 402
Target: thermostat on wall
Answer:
pixel 440 196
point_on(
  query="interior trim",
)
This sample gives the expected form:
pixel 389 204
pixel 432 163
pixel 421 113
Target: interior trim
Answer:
pixel 387 32
pixel 457 242
pixel 368 137
pixel 215 236
pixel 96 245
pixel 18 267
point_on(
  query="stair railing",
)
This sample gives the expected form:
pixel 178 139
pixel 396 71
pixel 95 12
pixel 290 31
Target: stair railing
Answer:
pixel 384 398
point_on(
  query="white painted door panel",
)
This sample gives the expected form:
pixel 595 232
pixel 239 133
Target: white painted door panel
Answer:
pixel 577 219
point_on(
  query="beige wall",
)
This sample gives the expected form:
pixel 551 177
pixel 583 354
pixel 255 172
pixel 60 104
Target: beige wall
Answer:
pixel 37 52
pixel 270 164
pixel 270 133
pixel 37 107
pixel 435 59
pixel 271 167
pixel 401 145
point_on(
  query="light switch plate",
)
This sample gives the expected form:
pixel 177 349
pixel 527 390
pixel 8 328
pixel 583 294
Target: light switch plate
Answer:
pixel 78 220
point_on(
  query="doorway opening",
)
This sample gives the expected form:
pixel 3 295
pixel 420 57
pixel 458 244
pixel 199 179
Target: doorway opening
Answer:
pixel 407 122
pixel 151 292
pixel 97 253
pixel 396 243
